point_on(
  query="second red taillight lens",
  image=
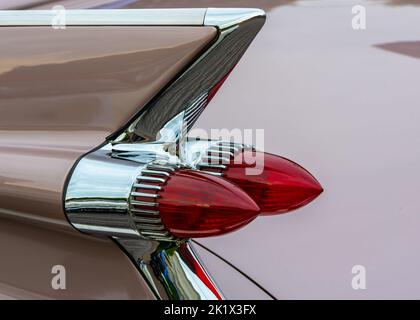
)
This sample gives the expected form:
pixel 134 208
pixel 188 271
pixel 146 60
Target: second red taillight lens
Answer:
pixel 193 204
pixel 173 202
pixel 281 186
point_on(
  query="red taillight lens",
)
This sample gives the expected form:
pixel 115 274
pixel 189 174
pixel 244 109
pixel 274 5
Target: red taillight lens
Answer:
pixel 193 204
pixel 282 185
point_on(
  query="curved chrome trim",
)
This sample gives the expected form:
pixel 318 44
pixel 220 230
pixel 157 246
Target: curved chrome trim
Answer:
pixel 221 18
pixel 189 94
pixel 173 270
pixel 105 17
pixel 98 193
pixel 224 18
pixel 102 195
pixel 147 222
pixel 99 198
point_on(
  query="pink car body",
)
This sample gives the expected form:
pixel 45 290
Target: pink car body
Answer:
pixel 340 101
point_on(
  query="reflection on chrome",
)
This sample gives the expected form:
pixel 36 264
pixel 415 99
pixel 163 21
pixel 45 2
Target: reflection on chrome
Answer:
pixel 193 89
pixel 172 269
pixel 103 192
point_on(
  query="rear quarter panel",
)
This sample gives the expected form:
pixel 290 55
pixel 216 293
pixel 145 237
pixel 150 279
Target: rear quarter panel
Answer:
pixel 344 104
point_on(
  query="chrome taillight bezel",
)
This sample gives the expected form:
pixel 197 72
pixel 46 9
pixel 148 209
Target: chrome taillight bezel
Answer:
pixel 98 195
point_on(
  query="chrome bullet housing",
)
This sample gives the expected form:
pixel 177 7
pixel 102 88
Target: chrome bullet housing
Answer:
pixel 103 189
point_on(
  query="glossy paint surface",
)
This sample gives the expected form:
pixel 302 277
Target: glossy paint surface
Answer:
pixel 18 4
pixel 347 110
pixel 344 104
pixel 62 92
pixel 29 253
pixel 33 169
pixel 88 78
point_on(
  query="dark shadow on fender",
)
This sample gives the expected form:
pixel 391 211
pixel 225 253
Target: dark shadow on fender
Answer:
pixel 408 48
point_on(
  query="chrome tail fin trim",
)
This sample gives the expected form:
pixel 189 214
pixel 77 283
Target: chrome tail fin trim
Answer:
pixel 99 196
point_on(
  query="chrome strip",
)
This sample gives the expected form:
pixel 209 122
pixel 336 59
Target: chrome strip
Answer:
pixel 105 17
pixel 100 197
pixel 173 270
pixel 145 225
pixel 121 232
pixel 184 97
pixel 224 18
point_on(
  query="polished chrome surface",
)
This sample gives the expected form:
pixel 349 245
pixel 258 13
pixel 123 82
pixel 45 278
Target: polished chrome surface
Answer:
pixel 104 17
pixel 212 156
pixel 97 196
pixel 172 270
pixel 225 18
pixel 102 195
pixel 113 191
pixel 145 213
pixel 189 93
